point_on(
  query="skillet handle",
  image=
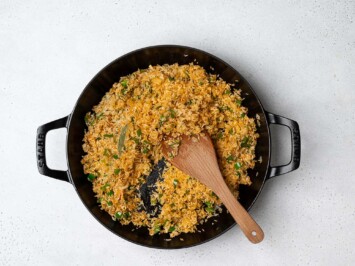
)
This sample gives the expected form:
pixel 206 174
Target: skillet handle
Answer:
pixel 296 145
pixel 41 149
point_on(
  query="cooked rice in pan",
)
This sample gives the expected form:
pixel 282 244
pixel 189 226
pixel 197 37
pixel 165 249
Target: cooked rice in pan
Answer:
pixel 123 143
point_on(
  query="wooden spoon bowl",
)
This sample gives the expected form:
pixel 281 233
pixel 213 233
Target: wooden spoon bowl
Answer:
pixel 197 157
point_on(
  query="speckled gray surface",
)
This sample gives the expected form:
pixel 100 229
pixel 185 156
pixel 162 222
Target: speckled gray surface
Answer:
pixel 298 55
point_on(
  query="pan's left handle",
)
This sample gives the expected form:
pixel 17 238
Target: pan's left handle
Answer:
pixel 41 149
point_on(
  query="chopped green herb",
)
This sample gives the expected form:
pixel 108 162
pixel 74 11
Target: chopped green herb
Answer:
pixel 209 204
pixel 231 131
pixel 172 113
pixel 237 165
pixel 242 115
pixel 238 102
pixel 124 83
pixel 157 229
pixel 126 215
pixel 117 171
pixel 86 118
pixel 118 215
pixel 124 91
pixel 227 91
pixel 171 229
pixel 200 83
pixel 187 74
pixel 110 193
pixel 210 210
pixel 219 135
pixel 245 143
pixel 108 135
pixel 115 156
pixel 162 120
pixel 109 203
pixel 136 140
pixel 99 200
pixel 98 116
pixel 122 138
pixel 189 102
pixel 175 183
pixel 139 132
pixel 146 147
pixel 230 158
pixel 105 186
pixel 106 152
pixel 171 78
pixel 91 177
pixel 98 138
pixel 153 202
pixel 210 207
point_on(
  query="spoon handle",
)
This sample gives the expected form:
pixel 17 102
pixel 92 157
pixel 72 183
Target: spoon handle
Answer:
pixel 249 227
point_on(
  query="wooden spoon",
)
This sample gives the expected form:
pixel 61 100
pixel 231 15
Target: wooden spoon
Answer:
pixel 197 157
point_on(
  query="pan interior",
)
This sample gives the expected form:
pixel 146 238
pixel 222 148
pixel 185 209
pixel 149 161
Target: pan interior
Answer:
pixel 93 94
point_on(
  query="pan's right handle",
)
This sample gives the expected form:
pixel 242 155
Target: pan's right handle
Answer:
pixel 296 144
pixel 41 149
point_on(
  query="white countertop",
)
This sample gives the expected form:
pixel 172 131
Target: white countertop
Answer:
pixel 298 55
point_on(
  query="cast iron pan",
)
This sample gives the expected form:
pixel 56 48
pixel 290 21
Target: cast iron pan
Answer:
pixel 102 82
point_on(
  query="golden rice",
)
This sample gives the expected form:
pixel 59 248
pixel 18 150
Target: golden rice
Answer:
pixel 124 136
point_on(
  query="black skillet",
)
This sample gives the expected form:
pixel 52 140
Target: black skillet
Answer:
pixel 92 95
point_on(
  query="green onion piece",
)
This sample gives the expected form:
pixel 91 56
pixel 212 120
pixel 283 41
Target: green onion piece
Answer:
pixel 172 113
pixel 227 91
pixel 210 207
pixel 242 115
pixel 210 210
pixel 171 78
pixel 237 165
pixel 86 118
pixel 219 135
pixel 118 215
pixel 108 135
pixel 122 138
pixel 105 186
pixel 109 203
pixel 157 229
pixel 171 229
pixel 139 132
pixel 98 116
pixel 117 171
pixel 238 102
pixel 175 183
pixel 230 158
pixel 106 152
pixel 209 204
pixel 91 177
pixel 136 140
pixel 126 215
pixel 115 156
pixel 110 193
pixel 187 74
pixel 162 120
pixel 124 83
pixel 245 143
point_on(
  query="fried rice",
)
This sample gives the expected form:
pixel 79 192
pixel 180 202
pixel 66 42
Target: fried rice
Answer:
pixel 123 142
